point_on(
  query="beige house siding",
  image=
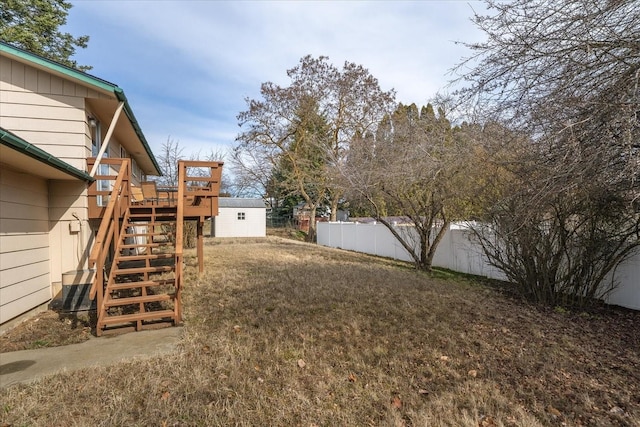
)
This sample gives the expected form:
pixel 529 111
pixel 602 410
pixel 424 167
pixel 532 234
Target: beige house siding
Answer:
pixel 46 110
pixel 24 243
pixel 69 230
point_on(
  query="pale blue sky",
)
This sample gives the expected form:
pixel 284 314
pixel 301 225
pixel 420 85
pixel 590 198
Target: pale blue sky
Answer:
pixel 187 66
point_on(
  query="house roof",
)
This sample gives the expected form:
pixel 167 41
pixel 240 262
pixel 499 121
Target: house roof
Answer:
pixel 234 202
pixel 85 79
pixel 22 155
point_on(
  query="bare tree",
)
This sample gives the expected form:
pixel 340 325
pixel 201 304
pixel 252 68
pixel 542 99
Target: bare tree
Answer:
pixel 170 153
pixel 564 74
pixel 252 172
pixel 414 170
pixel 349 102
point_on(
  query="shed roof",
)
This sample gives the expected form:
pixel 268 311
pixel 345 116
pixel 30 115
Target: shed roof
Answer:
pixel 236 202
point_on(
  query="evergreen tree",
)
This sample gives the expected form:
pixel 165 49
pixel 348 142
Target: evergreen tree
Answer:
pixel 34 25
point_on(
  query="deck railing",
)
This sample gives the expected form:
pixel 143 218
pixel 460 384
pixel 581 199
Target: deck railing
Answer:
pixel 101 191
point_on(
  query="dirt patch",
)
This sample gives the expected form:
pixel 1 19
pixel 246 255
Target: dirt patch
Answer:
pixel 47 329
pixel 287 233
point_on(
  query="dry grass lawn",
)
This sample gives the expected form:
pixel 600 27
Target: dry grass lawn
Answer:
pixel 281 333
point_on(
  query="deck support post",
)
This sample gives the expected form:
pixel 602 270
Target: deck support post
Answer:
pixel 200 244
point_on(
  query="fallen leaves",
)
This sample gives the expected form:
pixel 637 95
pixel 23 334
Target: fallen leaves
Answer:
pixel 616 410
pixel 396 403
pixel 486 421
pixel 553 411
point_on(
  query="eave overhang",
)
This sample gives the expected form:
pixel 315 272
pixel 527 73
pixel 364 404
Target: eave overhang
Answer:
pixel 85 79
pixel 23 156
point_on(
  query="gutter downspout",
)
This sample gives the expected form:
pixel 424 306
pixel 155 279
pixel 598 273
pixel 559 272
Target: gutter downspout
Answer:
pixel 107 137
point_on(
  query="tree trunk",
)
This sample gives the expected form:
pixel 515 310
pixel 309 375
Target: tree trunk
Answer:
pixel 403 242
pixel 428 261
pixel 334 210
pixel 311 236
pixel 424 263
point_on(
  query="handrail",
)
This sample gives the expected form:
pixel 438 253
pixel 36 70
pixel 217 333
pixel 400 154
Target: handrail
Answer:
pixel 180 212
pixel 108 229
pixel 179 240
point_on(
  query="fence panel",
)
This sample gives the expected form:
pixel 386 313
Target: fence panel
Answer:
pixel 457 251
pixel 627 275
pixel 366 238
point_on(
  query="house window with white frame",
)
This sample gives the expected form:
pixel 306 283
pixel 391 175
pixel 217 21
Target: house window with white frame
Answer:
pixel 241 216
pixel 96 136
pixel 96 144
pixel 135 170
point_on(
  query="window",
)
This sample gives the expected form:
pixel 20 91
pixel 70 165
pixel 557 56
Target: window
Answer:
pixel 96 137
pixel 104 184
pixel 123 152
pixel 135 170
pixel 241 216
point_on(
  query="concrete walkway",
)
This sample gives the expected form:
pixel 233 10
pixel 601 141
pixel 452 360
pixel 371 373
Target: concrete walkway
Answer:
pixel 28 365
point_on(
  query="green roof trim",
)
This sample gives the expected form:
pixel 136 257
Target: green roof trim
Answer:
pixel 13 141
pixel 55 66
pixel 88 79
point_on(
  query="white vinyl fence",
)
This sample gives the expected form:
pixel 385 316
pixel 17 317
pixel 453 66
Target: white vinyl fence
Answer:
pixel 457 251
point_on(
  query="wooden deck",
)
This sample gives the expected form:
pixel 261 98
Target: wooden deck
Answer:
pixel 199 199
pixel 138 250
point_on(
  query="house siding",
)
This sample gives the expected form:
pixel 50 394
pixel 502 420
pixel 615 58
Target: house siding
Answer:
pixel 24 243
pixel 46 110
pixel 67 206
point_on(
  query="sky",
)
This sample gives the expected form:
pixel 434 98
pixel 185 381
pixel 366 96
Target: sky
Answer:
pixel 187 67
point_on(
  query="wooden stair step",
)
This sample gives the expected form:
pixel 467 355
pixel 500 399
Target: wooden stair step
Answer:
pixel 115 302
pixel 140 284
pixel 158 219
pixel 124 258
pixel 134 317
pixel 141 245
pixel 151 234
pixel 141 216
pixel 146 212
pixel 139 270
pixel 199 179
pixel 151 223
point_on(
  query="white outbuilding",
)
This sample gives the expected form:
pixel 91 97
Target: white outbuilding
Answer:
pixel 238 217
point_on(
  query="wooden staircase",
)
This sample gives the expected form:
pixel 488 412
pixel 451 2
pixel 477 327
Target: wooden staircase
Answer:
pixel 140 291
pixel 138 252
